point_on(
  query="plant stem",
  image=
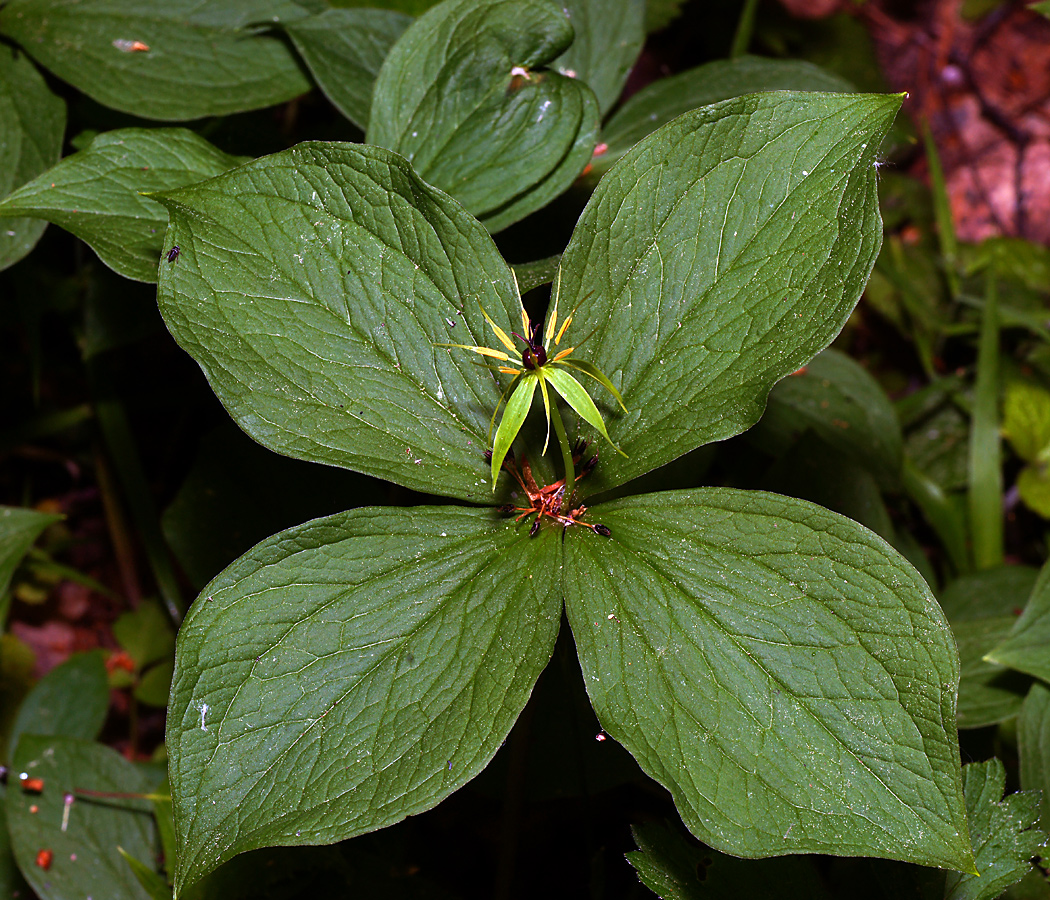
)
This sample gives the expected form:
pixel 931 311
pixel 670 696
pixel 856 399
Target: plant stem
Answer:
pixel 744 28
pixel 566 453
pixel 942 211
pixel 986 476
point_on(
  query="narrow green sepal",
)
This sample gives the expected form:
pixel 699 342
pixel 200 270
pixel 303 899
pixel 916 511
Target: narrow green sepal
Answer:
pixel 574 394
pixel 597 374
pixel 513 418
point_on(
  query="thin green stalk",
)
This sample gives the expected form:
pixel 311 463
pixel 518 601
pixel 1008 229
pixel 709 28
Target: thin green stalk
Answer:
pixel 566 452
pixel 942 211
pixel 986 474
pixel 744 29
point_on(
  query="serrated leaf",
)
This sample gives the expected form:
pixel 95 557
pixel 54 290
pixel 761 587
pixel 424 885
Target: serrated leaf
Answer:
pixel 1025 647
pixel 344 49
pixel 605 46
pixel 781 670
pixel 663 100
pixel 373 662
pixel 97 194
pixel 1004 837
pixel 32 121
pixel 844 405
pixel 1033 745
pixel 175 60
pixel 723 252
pixel 674 869
pixel 313 286
pixel 463 96
pixel 85 861
pixel 71 700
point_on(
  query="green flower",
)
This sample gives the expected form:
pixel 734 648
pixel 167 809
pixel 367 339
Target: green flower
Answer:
pixel 532 367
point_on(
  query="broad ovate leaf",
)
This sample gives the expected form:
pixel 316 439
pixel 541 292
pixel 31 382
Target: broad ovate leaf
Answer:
pixel 97 194
pixel 313 287
pixel 463 96
pixel 173 60
pixel 345 49
pixel 350 672
pixel 780 669
pixel 32 122
pixel 719 255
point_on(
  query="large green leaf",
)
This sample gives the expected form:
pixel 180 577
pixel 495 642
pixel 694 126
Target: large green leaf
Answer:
pixel 173 60
pixel 1025 648
pixel 32 121
pixel 605 47
pixel 71 700
pixel 344 49
pixel 463 97
pixel 97 193
pixel 312 287
pixel 350 672
pixel 663 100
pixel 85 861
pixel 784 672
pixel 719 255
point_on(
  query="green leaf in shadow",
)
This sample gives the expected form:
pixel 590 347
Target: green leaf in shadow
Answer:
pixel 173 61
pixel 344 49
pixel 463 96
pixel 32 121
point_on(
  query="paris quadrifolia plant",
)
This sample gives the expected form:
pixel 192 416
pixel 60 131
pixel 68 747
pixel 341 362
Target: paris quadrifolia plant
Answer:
pixel 780 669
pixel 534 367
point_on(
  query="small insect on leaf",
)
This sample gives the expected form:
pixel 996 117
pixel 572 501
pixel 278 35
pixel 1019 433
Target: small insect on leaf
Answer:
pixel 125 46
pixel 43 859
pixel 173 253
